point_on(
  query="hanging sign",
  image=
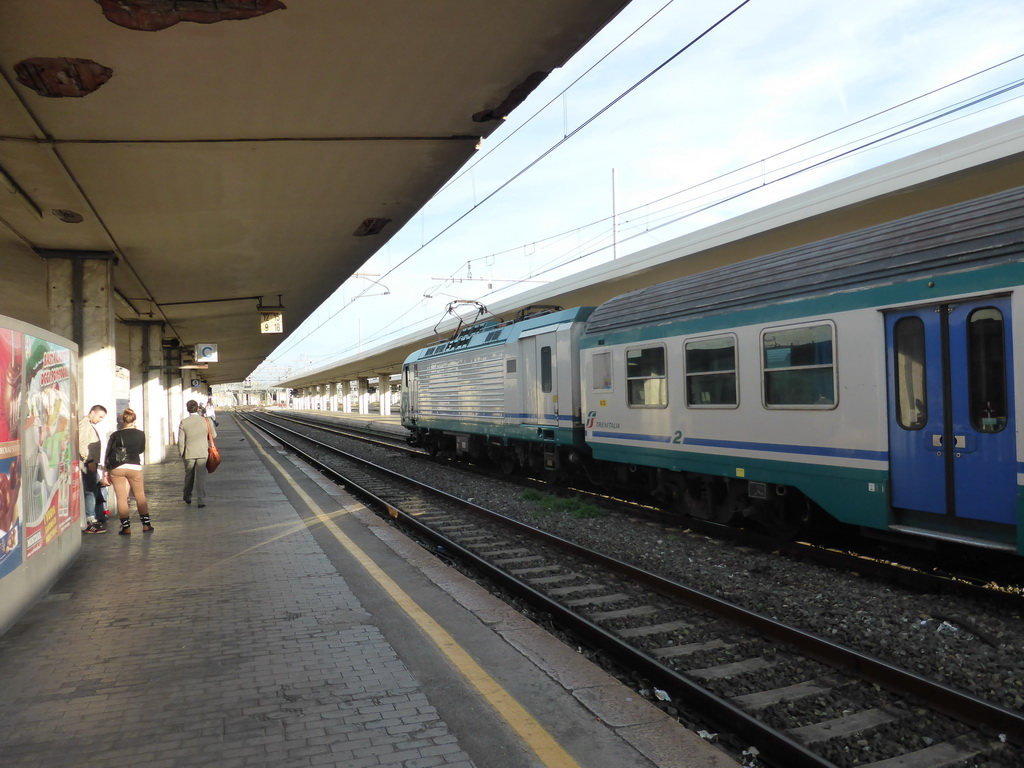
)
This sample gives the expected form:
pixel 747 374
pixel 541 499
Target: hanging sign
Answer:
pixel 271 322
pixel 206 353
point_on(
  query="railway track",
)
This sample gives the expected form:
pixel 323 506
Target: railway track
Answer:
pixel 800 700
pixel 967 576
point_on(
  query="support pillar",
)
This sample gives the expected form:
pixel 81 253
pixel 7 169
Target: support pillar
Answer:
pixel 346 396
pixel 175 394
pixel 333 397
pixel 148 398
pixel 364 396
pixel 384 391
pixel 80 300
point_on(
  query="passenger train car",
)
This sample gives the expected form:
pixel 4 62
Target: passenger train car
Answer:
pixel 870 376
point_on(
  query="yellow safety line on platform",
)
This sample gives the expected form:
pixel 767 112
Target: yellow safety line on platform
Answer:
pixel 508 708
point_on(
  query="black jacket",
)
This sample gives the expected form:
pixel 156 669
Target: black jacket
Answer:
pixel 134 441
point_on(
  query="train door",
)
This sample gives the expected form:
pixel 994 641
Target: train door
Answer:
pixel 952 428
pixel 409 392
pixel 540 379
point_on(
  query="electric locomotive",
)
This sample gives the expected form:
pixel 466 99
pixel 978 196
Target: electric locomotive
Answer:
pixel 870 376
pixel 508 392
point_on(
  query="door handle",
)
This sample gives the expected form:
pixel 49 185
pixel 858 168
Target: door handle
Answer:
pixel 959 442
pixel 936 441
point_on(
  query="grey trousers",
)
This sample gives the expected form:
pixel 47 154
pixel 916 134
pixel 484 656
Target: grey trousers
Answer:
pixel 195 478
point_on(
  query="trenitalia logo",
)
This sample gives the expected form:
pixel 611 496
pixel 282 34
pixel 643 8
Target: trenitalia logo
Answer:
pixel 593 422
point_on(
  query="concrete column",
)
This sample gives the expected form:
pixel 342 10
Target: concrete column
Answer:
pixel 364 396
pixel 384 392
pixel 346 396
pixel 175 394
pixel 80 300
pixel 148 398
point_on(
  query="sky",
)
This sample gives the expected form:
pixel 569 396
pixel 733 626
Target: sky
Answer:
pixel 676 116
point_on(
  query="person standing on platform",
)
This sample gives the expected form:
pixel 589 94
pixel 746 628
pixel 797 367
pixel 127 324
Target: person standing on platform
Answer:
pixel 89 446
pixel 194 435
pixel 210 413
pixel 125 450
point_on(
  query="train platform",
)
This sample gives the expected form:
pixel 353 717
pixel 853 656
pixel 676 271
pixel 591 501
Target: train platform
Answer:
pixel 390 424
pixel 284 624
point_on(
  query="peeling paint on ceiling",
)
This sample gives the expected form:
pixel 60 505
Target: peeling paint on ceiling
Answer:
pixel 154 15
pixel 58 77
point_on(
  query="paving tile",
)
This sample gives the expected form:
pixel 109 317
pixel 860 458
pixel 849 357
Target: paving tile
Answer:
pixel 224 638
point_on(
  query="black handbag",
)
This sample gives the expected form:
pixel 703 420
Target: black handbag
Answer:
pixel 119 455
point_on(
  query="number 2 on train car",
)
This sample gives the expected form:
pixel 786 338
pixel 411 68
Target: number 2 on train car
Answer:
pixel 952 433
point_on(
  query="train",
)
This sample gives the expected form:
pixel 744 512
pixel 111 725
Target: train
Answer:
pixel 869 378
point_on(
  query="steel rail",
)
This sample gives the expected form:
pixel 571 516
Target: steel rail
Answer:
pixel 718 711
pixel 912 576
pixel 985 716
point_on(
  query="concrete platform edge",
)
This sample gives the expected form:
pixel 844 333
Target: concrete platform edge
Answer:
pixel 638 722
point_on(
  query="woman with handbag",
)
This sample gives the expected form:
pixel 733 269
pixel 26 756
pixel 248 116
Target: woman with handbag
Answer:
pixel 124 468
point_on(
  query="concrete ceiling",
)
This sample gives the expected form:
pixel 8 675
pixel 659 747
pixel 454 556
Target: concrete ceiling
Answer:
pixel 228 150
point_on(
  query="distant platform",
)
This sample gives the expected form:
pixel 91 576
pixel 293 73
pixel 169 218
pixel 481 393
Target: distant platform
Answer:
pixel 373 421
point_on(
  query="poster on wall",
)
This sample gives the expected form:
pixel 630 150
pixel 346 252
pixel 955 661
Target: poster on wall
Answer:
pixel 10 450
pixel 49 472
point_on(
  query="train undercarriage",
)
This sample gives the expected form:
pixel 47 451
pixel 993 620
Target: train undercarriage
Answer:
pixel 777 510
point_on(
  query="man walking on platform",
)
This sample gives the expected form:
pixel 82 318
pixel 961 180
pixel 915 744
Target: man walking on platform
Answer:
pixel 194 434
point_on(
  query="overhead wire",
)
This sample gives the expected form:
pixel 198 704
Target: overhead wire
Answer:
pixel 832 158
pixel 846 150
pixel 542 156
pixel 675 218
pixel 556 97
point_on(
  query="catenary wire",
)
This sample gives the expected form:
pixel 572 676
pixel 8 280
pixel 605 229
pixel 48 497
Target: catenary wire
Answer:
pixel 537 160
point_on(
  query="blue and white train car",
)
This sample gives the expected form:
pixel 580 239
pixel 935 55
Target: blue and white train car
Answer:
pixel 506 391
pixel 871 375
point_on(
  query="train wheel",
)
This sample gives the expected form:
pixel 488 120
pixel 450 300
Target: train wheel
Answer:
pixel 507 463
pixel 720 501
pixel 783 516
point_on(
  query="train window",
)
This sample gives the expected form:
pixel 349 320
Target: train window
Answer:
pixel 909 364
pixel 545 369
pixel 799 367
pixel 602 372
pixel 986 375
pixel 645 378
pixel 711 372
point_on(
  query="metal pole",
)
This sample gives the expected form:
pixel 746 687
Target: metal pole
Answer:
pixel 615 221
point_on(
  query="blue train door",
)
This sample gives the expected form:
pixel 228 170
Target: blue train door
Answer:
pixel 951 419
